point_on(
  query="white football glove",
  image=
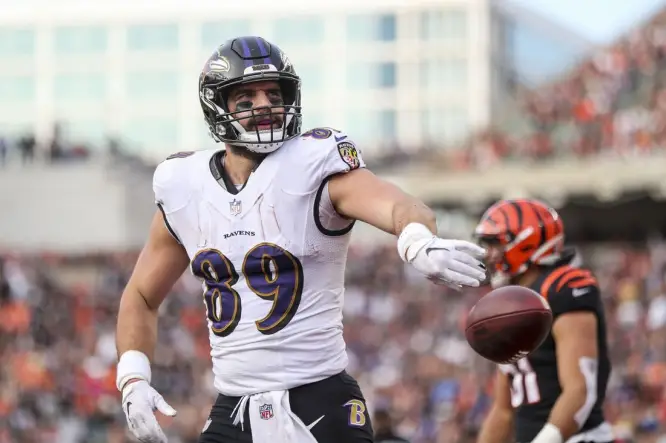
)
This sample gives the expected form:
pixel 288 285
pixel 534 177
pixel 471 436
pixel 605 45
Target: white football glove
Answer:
pixel 140 401
pixel 454 263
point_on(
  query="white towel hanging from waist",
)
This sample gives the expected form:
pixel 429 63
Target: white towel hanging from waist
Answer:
pixel 271 418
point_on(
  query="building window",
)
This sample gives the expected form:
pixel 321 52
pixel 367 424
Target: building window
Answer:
pixel 91 132
pixel 444 75
pixel 213 34
pixel 371 126
pixel 371 75
pixel 386 73
pixel 314 118
pixel 152 134
pixel 358 125
pixel 446 126
pixel 371 28
pixel 79 87
pixel 16 42
pixel 387 28
pixel 152 37
pixel 359 75
pixel 16 89
pixel 444 25
pixel 312 77
pixel 152 85
pixel 308 30
pixel 80 40
pixel 387 123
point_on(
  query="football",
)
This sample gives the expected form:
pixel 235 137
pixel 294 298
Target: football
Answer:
pixel 508 323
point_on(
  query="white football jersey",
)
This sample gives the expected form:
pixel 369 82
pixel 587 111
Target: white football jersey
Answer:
pixel 271 258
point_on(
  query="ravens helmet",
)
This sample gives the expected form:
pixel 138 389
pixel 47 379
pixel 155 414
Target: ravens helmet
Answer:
pixel 245 60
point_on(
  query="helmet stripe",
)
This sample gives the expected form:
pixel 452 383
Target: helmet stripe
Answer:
pixel 519 216
pixel 246 52
pixel 263 50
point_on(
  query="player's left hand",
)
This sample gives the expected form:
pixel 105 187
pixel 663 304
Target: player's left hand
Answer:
pixel 454 263
pixel 140 401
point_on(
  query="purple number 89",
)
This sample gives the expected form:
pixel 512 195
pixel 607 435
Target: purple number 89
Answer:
pixel 271 272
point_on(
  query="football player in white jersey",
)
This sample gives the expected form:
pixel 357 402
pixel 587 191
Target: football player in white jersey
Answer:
pixel 265 224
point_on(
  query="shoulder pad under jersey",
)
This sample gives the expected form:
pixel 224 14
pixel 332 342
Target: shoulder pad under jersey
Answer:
pixel 568 288
pixel 174 178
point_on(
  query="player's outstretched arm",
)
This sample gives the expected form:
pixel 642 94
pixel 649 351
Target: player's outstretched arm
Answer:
pixel 361 195
pixel 497 426
pixel 161 262
pixel 575 334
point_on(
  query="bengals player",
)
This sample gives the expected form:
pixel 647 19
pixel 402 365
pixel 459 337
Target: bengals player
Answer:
pixel 555 394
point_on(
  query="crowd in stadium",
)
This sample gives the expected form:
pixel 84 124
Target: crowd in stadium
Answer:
pixel 404 339
pixel 614 103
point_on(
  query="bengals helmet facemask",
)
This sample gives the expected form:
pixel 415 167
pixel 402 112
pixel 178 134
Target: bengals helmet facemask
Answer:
pixel 518 235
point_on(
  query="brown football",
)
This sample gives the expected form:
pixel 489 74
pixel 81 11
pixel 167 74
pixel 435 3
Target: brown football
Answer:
pixel 508 323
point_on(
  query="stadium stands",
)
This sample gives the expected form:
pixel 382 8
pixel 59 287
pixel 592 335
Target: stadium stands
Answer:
pixel 57 318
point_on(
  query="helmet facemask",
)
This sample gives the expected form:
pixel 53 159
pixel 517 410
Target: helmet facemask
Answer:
pixel 512 255
pixel 226 126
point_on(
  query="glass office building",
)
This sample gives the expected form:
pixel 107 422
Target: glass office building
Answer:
pixel 407 72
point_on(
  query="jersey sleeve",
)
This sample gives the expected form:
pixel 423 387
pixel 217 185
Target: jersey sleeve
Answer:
pixel 324 152
pixel 575 290
pixel 342 155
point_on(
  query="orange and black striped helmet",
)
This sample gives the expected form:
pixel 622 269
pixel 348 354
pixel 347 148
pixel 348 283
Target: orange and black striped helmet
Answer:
pixel 528 232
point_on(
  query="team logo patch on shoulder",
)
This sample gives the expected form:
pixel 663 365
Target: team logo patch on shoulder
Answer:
pixel 180 155
pixel 349 154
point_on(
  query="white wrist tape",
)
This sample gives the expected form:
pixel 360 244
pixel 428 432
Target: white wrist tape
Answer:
pixel 549 434
pixel 412 234
pixel 132 364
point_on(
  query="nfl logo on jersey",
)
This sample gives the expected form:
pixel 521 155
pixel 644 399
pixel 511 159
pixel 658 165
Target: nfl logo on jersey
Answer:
pixel 235 207
pixel 266 412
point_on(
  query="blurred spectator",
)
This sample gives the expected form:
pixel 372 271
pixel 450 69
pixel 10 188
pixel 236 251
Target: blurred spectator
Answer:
pixel 3 151
pixel 383 425
pixel 26 145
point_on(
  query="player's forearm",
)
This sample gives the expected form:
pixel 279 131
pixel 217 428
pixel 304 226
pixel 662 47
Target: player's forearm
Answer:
pixel 564 411
pixel 410 210
pixel 137 325
pixel 497 427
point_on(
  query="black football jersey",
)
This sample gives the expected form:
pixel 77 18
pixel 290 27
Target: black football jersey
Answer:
pixel 534 380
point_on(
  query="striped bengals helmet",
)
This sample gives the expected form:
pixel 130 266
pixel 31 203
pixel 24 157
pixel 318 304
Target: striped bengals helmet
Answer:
pixel 527 231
